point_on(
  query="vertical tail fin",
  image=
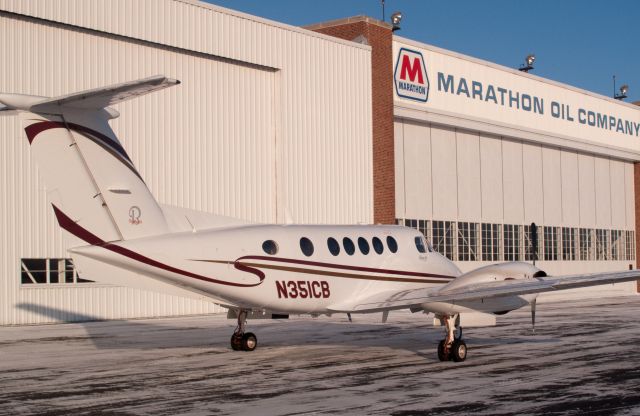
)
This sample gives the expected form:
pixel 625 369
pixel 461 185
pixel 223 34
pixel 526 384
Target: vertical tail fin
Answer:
pixel 88 174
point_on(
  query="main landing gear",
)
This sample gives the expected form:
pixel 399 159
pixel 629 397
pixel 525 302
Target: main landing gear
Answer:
pixel 240 340
pixel 451 347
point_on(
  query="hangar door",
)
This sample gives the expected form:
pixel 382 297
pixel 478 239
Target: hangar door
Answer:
pixel 217 149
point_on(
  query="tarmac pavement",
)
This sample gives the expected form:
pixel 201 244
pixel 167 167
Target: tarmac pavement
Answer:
pixel 582 360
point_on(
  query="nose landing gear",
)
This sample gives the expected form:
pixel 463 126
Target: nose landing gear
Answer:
pixel 451 347
pixel 240 340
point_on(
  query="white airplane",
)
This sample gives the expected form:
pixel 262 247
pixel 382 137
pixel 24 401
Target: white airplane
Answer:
pixel 121 234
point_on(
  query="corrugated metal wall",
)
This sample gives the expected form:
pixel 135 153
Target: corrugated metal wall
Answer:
pixel 270 122
pixel 444 173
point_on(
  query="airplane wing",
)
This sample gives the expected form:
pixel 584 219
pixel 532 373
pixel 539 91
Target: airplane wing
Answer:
pixel 414 298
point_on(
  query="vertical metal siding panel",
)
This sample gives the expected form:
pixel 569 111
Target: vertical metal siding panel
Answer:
pixel 552 183
pixel 513 192
pixel 587 190
pixel 618 209
pixel 603 192
pixel 532 183
pixel 569 188
pixel 415 143
pixel 491 178
pixel 399 163
pixel 468 173
pixel 629 196
pixel 443 150
pixel 140 19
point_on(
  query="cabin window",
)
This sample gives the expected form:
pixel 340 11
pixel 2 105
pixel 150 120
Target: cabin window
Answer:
pixel 270 247
pixel 392 244
pixel 348 245
pixel 363 244
pixel 377 245
pixel 420 244
pixel 306 246
pixel 334 247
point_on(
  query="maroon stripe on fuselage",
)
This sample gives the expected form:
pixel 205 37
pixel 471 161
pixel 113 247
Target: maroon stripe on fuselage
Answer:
pixel 71 226
pixel 345 267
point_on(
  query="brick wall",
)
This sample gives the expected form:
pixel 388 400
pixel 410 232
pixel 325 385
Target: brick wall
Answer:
pixel 378 35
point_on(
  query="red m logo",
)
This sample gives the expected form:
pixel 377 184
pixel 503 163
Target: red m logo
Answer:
pixel 415 69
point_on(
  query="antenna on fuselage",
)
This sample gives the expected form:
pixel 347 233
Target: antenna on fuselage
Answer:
pixel 533 315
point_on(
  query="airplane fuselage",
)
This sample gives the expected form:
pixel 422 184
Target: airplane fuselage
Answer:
pixel 284 268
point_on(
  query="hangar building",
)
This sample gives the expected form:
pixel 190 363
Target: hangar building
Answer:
pixel 269 126
pixel 481 152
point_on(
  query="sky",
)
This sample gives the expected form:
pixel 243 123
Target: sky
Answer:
pixel 578 42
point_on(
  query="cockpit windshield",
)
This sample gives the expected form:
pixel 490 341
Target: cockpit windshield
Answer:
pixel 423 245
pixel 420 244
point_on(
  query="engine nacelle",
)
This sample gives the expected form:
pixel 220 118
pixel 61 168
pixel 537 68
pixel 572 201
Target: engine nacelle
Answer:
pixel 491 273
pixel 496 273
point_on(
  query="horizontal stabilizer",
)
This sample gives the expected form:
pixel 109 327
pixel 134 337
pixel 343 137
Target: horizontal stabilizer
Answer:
pixel 94 99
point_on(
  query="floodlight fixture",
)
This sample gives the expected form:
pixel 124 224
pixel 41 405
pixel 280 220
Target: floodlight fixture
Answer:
pixel 623 92
pixel 528 63
pixel 395 21
pixel 624 89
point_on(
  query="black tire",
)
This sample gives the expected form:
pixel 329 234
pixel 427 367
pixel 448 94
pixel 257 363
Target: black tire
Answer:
pixel 459 351
pixel 236 342
pixel 441 353
pixel 249 342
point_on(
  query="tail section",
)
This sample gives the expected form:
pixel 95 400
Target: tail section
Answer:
pixel 87 172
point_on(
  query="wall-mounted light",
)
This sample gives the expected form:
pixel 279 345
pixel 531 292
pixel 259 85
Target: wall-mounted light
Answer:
pixel 395 21
pixel 528 63
pixel 623 92
pixel 624 89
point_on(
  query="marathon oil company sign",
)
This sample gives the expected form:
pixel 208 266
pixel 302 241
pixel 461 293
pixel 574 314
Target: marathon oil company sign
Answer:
pixel 438 81
pixel 410 76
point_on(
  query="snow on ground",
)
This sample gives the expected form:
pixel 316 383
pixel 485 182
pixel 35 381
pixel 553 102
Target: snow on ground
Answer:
pixel 582 360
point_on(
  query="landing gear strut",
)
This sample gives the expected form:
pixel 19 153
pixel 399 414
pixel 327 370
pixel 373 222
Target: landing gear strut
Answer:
pixel 240 340
pixel 452 347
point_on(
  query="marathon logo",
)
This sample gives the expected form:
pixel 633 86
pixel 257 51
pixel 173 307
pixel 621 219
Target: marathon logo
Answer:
pixel 410 76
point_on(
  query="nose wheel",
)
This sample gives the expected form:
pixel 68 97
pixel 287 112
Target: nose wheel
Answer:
pixel 452 347
pixel 240 340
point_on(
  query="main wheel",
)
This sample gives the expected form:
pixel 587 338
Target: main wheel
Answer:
pixel 459 351
pixel 249 341
pixel 236 342
pixel 442 355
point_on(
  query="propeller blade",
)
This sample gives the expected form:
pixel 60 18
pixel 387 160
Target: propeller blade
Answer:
pixel 533 315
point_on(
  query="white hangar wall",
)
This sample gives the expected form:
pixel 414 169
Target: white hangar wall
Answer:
pixel 258 129
pixel 474 171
